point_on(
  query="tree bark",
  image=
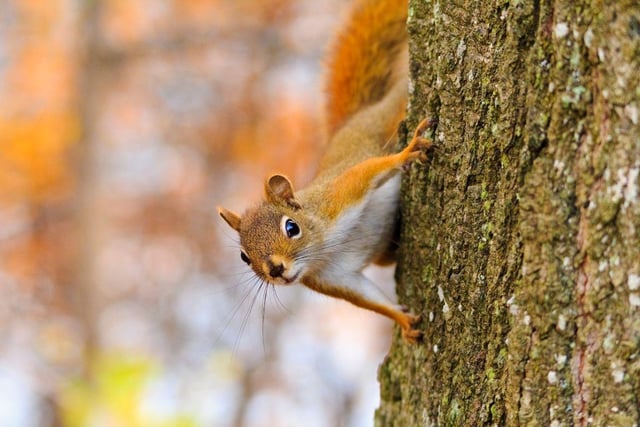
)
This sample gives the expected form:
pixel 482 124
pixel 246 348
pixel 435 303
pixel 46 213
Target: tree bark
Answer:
pixel 521 235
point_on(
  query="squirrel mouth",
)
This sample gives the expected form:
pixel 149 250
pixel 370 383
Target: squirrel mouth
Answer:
pixel 290 280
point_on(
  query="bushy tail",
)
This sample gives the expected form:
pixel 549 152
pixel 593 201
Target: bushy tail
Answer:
pixel 363 62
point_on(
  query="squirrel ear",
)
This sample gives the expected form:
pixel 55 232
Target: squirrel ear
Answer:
pixel 231 218
pixel 278 189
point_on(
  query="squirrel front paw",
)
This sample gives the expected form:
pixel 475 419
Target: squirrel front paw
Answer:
pixel 418 143
pixel 410 334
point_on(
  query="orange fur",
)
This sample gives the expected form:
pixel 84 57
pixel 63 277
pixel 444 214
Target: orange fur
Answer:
pixel 352 185
pixel 366 99
pixel 404 320
pixel 363 58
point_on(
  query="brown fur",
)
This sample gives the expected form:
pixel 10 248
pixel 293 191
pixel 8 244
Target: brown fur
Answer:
pixel 346 214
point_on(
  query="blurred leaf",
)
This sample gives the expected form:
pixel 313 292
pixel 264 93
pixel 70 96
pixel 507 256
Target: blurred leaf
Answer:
pixel 116 396
pixel 33 155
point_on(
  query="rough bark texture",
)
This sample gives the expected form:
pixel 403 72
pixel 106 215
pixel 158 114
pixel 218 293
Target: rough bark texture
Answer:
pixel 521 236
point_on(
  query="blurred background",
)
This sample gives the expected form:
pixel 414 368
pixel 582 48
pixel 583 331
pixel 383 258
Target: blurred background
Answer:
pixel 123 298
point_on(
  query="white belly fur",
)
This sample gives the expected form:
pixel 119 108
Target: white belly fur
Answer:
pixel 364 230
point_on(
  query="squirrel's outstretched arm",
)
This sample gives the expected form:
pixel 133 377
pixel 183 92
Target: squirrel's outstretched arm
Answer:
pixel 354 183
pixel 360 291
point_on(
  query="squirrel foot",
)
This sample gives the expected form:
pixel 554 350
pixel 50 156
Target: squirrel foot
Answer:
pixel 418 143
pixel 412 336
pixel 409 334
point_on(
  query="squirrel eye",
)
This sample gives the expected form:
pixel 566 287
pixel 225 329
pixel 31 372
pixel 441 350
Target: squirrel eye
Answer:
pixel 290 228
pixel 245 258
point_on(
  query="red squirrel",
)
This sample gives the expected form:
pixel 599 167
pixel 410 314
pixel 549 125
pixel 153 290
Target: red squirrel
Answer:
pixel 325 234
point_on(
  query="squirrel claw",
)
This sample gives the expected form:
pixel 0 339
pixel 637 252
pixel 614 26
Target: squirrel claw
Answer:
pixel 419 143
pixel 411 336
pixel 424 124
pixel 424 143
pixel 413 318
pixel 414 155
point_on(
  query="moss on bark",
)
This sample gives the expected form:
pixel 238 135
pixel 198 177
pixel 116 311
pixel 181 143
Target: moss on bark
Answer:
pixel 521 235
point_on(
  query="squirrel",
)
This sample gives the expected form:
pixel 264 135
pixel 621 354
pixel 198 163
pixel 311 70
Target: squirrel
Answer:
pixel 323 235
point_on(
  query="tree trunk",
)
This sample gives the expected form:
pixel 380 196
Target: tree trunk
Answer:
pixel 521 234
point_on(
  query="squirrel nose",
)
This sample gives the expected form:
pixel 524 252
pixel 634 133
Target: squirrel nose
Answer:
pixel 275 270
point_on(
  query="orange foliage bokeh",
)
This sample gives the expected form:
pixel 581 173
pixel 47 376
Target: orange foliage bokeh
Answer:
pixel 114 152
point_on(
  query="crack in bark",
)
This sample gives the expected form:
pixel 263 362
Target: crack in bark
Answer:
pixel 578 362
pixel 523 378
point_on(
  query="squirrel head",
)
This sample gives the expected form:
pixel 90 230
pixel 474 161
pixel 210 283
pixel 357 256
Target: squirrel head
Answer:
pixel 274 234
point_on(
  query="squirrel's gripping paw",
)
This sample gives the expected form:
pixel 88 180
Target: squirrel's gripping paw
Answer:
pixel 418 143
pixel 412 336
pixel 409 334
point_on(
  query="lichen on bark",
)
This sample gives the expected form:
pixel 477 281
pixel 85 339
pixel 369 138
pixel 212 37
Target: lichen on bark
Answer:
pixel 521 234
